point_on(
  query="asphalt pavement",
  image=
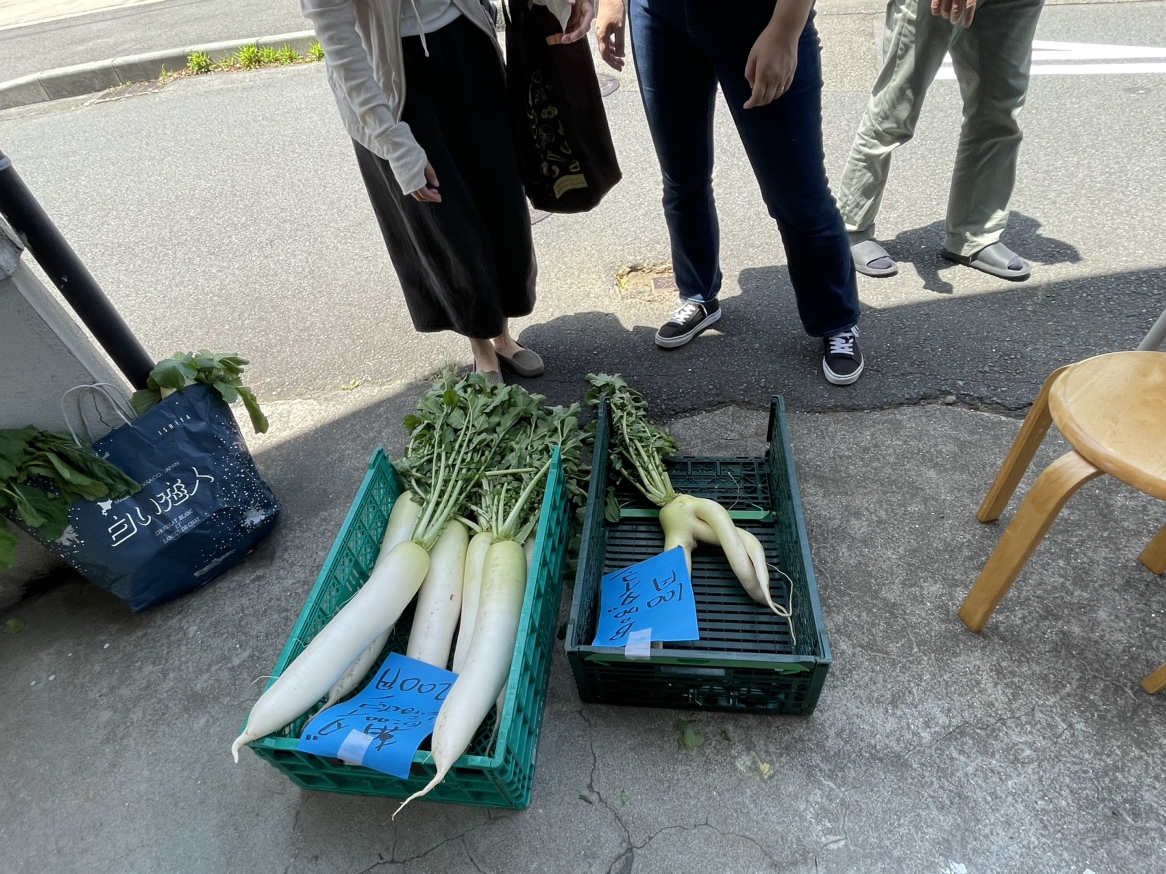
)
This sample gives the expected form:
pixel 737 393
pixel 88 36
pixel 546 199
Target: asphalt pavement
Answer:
pixel 226 212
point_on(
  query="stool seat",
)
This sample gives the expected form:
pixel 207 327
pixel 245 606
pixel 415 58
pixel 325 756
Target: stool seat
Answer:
pixel 1112 410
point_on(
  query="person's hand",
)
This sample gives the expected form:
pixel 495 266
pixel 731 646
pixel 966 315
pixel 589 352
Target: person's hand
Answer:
pixel 609 31
pixel 582 14
pixel 429 193
pixel 958 12
pixel 771 65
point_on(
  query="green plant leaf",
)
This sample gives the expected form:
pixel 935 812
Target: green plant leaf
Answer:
pixel 72 475
pixel 14 450
pixel 13 626
pixel 690 739
pixel 7 545
pixel 145 398
pixel 8 470
pixel 258 420
pixel 118 484
pixel 175 373
pixel 222 371
pixel 52 508
pixel 26 511
pixel 229 392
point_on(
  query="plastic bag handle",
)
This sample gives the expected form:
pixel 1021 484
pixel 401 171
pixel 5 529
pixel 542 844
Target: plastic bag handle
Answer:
pixel 100 388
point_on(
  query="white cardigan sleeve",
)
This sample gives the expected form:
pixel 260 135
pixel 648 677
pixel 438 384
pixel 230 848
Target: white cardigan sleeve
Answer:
pixel 561 9
pixel 349 65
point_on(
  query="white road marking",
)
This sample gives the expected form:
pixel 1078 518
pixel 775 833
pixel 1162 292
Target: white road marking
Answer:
pixel 1043 51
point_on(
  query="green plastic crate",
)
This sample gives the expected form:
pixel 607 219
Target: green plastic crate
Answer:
pixel 500 775
pixel 746 660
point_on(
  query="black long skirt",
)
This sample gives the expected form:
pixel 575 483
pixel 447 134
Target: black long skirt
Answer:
pixel 467 263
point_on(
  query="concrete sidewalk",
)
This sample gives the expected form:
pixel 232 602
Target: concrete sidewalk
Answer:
pixel 1028 749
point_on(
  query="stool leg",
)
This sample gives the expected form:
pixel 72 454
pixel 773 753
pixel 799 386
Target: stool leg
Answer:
pixel 1040 507
pixel 1156 682
pixel 1154 555
pixel 1032 432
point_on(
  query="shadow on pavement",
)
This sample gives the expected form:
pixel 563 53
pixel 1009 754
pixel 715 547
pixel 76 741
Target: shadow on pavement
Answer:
pixel 920 247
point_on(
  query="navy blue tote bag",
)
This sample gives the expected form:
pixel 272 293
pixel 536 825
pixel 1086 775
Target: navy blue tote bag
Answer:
pixel 201 509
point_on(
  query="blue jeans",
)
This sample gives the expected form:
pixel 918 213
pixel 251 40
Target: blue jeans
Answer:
pixel 683 49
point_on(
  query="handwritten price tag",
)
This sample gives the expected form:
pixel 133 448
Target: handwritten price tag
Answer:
pixel 653 596
pixel 384 724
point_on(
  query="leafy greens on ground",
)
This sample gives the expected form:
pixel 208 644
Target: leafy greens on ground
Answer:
pixel 42 473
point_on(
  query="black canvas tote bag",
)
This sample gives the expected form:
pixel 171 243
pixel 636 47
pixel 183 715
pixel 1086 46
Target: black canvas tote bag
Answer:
pixel 565 154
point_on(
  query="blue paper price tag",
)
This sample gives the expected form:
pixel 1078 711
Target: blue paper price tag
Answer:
pixel 653 596
pixel 384 724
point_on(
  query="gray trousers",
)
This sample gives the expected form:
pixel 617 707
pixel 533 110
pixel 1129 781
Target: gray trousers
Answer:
pixel 992 60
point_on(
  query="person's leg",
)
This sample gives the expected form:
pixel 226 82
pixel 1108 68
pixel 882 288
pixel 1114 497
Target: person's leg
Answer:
pixel 477 130
pixel 914 45
pixel 784 143
pixel 678 90
pixel 992 60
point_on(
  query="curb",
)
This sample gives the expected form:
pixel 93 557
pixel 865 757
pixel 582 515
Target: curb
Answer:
pixel 100 76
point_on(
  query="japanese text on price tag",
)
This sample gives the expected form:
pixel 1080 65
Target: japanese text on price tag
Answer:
pixel 655 594
pixel 382 726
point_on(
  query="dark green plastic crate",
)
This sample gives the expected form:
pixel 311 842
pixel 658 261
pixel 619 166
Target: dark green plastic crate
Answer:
pixel 497 776
pixel 745 660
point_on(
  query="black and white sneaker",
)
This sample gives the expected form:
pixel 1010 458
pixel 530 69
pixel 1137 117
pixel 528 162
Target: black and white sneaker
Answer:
pixel 690 318
pixel 841 358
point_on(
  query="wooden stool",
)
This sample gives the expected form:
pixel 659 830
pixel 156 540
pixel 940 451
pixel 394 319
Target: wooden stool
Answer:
pixel 1112 410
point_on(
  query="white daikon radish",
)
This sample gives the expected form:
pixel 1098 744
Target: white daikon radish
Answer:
pixel 351 678
pixel 400 525
pixel 402 521
pixel 439 601
pixel 375 607
pixel 487 666
pixel 471 588
pixel 637 453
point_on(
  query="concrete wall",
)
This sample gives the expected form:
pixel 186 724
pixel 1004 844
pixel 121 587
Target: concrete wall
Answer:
pixel 43 353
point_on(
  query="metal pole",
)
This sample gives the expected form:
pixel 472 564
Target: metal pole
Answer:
pixel 1157 335
pixel 64 268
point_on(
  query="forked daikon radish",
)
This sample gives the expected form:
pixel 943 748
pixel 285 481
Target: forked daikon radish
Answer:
pixel 487 666
pixel 439 600
pixel 471 588
pixel 376 606
pixel 637 453
pixel 684 515
pixel 756 551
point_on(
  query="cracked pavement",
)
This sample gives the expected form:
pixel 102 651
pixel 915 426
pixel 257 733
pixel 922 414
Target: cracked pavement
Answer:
pixel 232 218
